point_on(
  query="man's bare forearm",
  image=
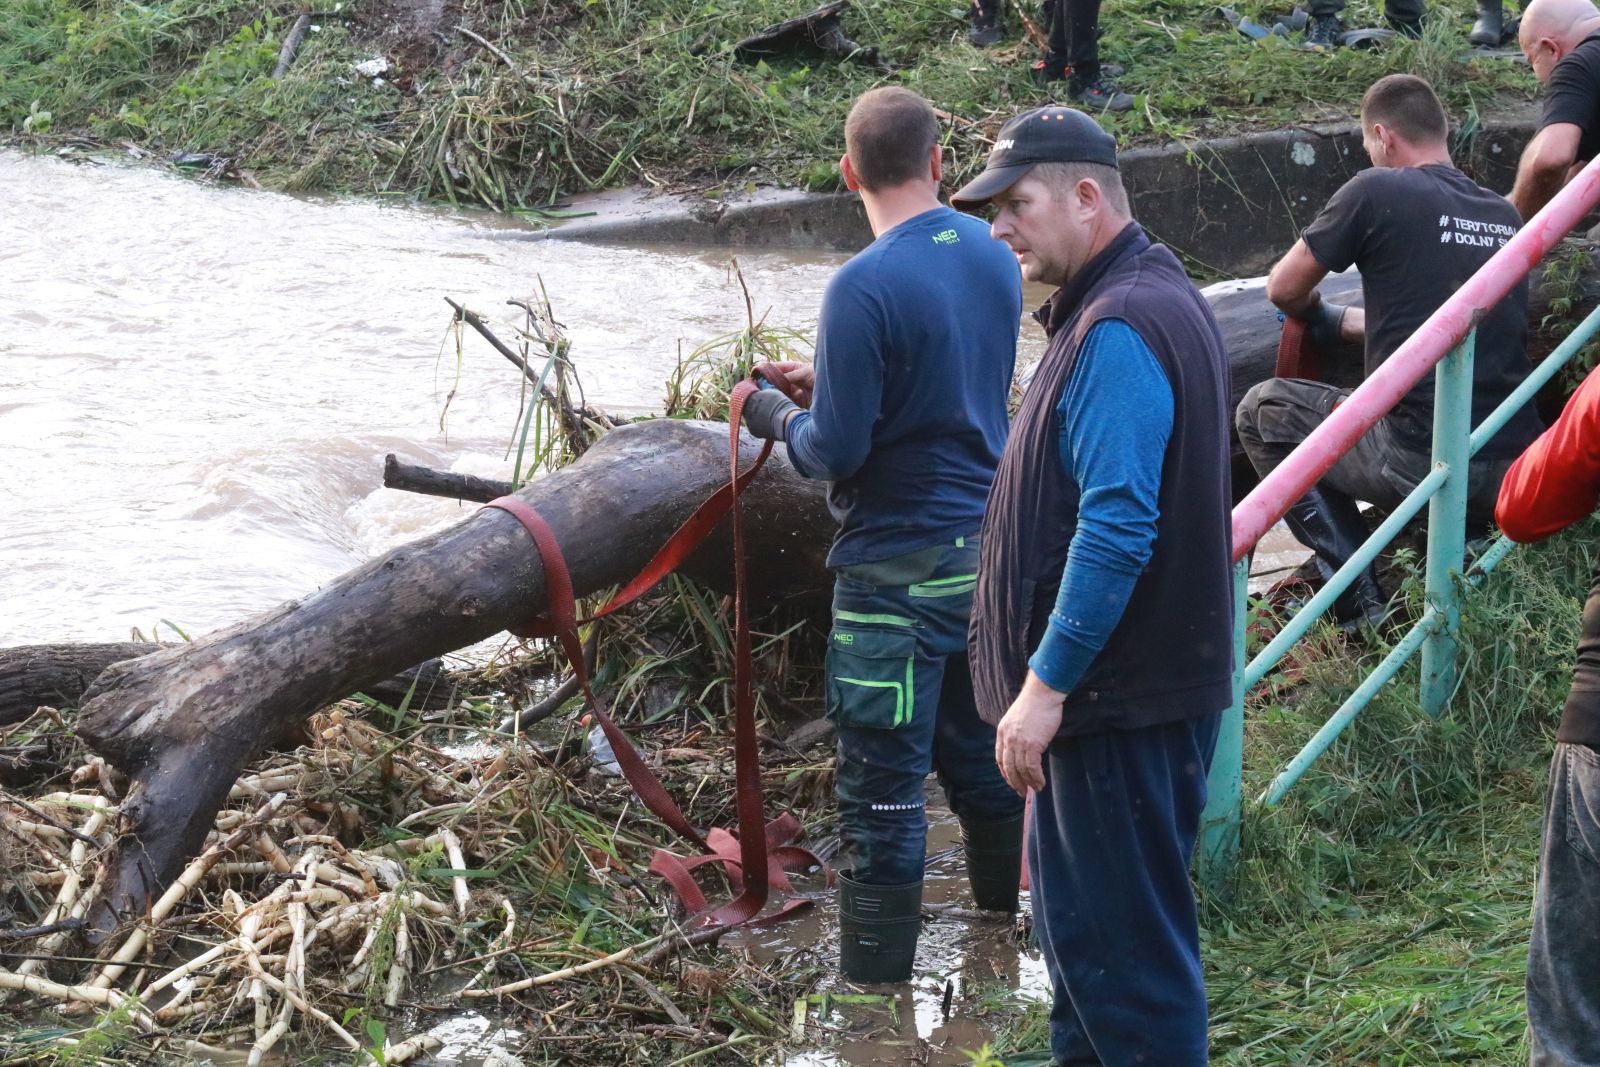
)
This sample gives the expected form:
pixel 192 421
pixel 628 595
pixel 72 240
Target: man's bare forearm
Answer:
pixel 1292 285
pixel 1353 328
pixel 1533 190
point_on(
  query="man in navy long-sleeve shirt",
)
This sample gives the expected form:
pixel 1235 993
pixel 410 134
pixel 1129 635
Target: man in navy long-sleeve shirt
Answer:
pixel 915 350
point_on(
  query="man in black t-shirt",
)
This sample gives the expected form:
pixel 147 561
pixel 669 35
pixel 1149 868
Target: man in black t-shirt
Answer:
pixel 1561 39
pixel 1416 228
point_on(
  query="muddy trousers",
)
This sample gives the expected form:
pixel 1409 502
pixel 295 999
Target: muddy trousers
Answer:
pixel 1564 954
pixel 1279 413
pixel 899 694
pixel 1109 849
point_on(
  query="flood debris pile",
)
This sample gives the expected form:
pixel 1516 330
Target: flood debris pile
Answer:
pixel 370 883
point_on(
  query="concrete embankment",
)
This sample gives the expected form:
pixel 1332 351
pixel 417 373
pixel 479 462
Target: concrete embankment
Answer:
pixel 1230 205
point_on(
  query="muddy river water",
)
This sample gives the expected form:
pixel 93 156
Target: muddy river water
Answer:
pixel 198 386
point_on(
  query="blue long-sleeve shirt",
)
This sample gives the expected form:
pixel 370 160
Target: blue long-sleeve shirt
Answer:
pixel 1116 419
pixel 915 349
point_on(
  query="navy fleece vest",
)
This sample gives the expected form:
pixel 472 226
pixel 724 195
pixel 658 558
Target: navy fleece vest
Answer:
pixel 1170 656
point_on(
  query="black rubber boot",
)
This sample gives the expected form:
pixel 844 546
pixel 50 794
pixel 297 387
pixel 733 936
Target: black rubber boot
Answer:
pixel 878 928
pixel 1323 33
pixel 986 29
pixel 1406 27
pixel 994 861
pixel 1490 29
pixel 1330 524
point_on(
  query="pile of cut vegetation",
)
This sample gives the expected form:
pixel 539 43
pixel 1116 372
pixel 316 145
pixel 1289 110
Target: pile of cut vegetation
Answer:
pixel 367 884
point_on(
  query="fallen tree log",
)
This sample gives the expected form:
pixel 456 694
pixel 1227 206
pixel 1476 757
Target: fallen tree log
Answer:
pixel 182 722
pixel 58 675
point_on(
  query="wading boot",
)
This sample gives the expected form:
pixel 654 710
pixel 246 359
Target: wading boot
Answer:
pixel 986 29
pixel 1323 33
pixel 1411 28
pixel 1330 524
pixel 1490 29
pixel 994 861
pixel 878 928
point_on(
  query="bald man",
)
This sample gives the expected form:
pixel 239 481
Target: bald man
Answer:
pixel 1561 39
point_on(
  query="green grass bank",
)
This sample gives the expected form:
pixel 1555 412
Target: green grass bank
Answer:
pixel 513 104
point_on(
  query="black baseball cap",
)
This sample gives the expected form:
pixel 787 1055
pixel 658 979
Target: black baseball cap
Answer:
pixel 1043 135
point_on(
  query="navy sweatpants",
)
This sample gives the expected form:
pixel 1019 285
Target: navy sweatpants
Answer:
pixel 1113 832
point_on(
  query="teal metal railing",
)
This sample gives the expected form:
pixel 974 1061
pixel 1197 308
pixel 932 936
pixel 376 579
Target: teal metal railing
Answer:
pixel 1445 341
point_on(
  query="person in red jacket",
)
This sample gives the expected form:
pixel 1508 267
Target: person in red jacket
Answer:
pixel 1555 483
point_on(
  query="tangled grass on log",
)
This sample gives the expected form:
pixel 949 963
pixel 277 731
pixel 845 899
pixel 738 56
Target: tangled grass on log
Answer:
pixel 702 382
pixel 364 882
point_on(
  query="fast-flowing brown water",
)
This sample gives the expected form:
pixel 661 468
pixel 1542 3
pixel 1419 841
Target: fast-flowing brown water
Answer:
pixel 198 384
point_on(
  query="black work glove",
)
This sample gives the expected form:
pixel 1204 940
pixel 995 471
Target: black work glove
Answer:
pixel 1323 321
pixel 765 412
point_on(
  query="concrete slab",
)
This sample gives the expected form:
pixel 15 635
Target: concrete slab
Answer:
pixel 767 218
pixel 1231 205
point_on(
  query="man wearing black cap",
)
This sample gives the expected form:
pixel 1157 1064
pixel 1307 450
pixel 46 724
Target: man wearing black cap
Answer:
pixel 1101 625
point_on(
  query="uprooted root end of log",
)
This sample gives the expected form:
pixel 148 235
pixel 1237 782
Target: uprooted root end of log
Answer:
pixel 310 889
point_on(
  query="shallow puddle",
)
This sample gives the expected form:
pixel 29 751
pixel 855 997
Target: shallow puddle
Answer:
pixel 964 967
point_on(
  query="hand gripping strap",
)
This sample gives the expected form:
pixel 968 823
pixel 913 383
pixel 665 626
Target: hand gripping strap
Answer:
pixel 1297 353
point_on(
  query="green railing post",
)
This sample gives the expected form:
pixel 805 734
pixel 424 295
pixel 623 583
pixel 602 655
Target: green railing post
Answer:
pixel 1447 522
pixel 1219 824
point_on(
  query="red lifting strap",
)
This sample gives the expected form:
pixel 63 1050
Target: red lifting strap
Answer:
pixel 747 857
pixel 1297 354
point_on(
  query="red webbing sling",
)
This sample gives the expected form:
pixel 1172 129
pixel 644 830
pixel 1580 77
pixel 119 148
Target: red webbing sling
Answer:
pixel 757 858
pixel 1297 354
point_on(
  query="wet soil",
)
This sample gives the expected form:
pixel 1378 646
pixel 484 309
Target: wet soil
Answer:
pixel 966 969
